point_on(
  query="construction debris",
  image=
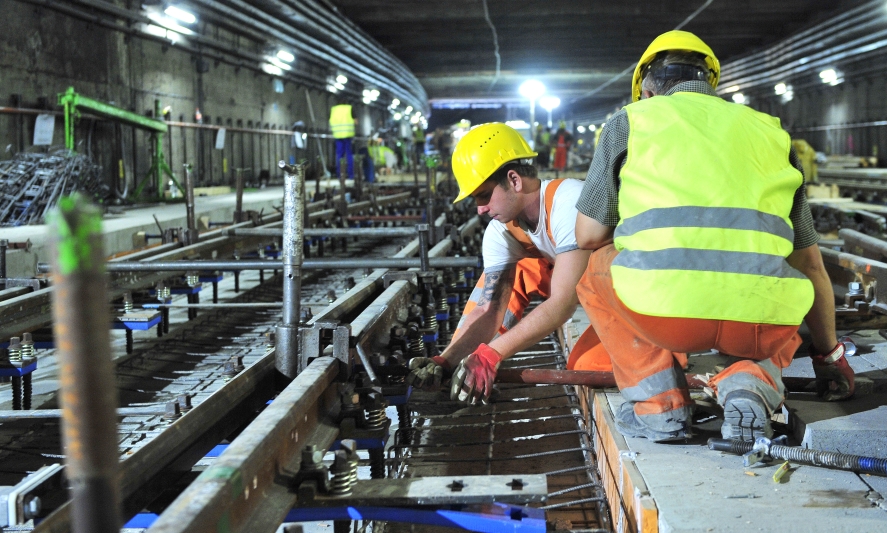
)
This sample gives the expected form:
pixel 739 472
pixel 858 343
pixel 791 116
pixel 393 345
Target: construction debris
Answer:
pixel 32 183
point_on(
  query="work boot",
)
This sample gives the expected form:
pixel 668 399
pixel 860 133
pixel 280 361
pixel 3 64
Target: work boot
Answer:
pixel 628 423
pixel 745 417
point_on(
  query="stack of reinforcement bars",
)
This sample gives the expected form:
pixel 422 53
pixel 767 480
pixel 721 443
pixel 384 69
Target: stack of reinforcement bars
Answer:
pixel 31 183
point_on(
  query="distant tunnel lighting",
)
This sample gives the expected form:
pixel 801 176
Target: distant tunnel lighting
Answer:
pixel 398 116
pixel 831 76
pixel 339 86
pixel 531 89
pixel 780 88
pixel 739 98
pixel 341 79
pixel 155 30
pixel 274 70
pixel 395 102
pixel 332 89
pixel 731 89
pixel 180 14
pixel 283 55
pixel 375 93
pixel 408 110
pixel 549 102
pixel 580 129
pixel 592 128
pixel 367 100
pixel 169 24
pixel 278 63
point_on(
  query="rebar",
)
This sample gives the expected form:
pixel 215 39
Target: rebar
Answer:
pixel 841 461
pixel 88 394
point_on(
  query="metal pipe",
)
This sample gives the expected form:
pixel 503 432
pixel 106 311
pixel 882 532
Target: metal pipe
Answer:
pixel 87 391
pixel 4 245
pixel 367 365
pixel 423 246
pixel 328 232
pixel 191 232
pixel 309 264
pixel 385 218
pixel 238 201
pixel 854 239
pixel 287 340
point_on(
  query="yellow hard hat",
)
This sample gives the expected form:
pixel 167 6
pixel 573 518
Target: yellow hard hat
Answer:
pixel 675 40
pixel 482 151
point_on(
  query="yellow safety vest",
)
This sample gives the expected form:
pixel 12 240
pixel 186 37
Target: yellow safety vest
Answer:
pixel 341 121
pixel 704 205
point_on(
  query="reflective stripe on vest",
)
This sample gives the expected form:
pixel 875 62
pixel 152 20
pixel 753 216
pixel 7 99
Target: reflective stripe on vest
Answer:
pixel 704 201
pixel 341 121
pixel 521 236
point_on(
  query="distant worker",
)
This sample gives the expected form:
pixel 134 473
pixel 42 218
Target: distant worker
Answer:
pixel 543 140
pixel 529 249
pixel 561 141
pixel 342 125
pixel 703 238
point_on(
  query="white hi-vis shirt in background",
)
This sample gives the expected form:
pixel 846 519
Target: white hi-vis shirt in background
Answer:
pixel 501 249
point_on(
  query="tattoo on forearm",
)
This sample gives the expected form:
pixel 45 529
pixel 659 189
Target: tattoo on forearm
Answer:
pixel 494 285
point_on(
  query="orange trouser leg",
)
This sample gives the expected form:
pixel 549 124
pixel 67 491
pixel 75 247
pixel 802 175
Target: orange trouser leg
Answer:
pixel 589 354
pixel 761 350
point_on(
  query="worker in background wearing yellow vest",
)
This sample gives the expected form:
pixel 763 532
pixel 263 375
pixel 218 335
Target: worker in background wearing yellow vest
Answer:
pixel 342 126
pixel 703 239
pixel 529 249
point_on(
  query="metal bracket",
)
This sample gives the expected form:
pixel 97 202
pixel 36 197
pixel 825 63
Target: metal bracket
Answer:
pixel 410 276
pixel 34 283
pixel 22 502
pixel 311 346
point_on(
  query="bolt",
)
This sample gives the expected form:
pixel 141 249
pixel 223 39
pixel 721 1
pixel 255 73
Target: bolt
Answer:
pixel 854 287
pixel 184 401
pixel 15 350
pixel 32 507
pixel 305 315
pixel 312 457
pixel 173 411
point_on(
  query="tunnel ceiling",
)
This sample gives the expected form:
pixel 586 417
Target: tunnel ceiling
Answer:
pixel 572 46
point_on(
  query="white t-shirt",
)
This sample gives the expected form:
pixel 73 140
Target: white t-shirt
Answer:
pixel 501 250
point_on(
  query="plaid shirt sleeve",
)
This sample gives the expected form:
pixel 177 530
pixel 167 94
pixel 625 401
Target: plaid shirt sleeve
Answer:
pixel 600 194
pixel 802 219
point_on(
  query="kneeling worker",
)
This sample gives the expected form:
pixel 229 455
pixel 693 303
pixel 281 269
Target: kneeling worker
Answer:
pixel 529 248
pixel 713 246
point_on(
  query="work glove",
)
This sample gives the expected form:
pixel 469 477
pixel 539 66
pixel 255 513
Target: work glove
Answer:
pixel 427 372
pixel 474 377
pixel 834 377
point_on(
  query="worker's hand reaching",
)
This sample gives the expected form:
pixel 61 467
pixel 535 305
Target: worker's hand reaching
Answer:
pixel 427 372
pixel 474 377
pixel 834 377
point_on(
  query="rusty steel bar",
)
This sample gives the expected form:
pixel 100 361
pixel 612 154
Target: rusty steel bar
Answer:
pixel 287 342
pixel 88 393
pixel 603 380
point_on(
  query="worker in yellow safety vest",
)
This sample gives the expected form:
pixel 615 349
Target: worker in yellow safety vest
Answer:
pixel 529 249
pixel 342 125
pixel 703 239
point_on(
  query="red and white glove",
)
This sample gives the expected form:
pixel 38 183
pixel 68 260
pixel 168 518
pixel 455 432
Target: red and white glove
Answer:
pixel 474 377
pixel 834 377
pixel 427 372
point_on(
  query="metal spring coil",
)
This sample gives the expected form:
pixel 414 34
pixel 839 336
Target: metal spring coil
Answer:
pixel 192 280
pixel 15 349
pixel 342 482
pixel 376 418
pixel 430 317
pixel 417 346
pixel 127 305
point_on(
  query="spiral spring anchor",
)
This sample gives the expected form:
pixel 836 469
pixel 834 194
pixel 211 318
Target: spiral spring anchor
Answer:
pixel 27 346
pixel 375 411
pixel 127 302
pixel 343 474
pixel 842 461
pixel 192 280
pixel 430 317
pixel 15 350
pixel 417 345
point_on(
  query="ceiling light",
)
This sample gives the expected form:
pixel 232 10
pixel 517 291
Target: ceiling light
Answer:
pixel 278 63
pixel 414 119
pixel 332 89
pixel 367 100
pixel 580 129
pixel 395 102
pixel 283 55
pixel 169 23
pixel 339 86
pixel 780 88
pixel 408 110
pixel 549 102
pixel 341 79
pixel 375 93
pixel 739 98
pixel 731 89
pixel 532 89
pixel 828 75
pixel 592 127
pixel 398 116
pixel 180 14
pixel 157 31
pixel 274 70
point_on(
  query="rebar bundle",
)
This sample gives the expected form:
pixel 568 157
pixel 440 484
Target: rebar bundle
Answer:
pixel 32 183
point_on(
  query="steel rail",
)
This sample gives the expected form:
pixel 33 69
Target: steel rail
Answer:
pixel 308 264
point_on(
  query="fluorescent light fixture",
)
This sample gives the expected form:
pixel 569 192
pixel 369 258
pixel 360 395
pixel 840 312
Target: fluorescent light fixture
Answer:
pixel 532 89
pixel 367 100
pixel 341 79
pixel 180 14
pixel 828 75
pixel 157 31
pixel 283 55
pixel 169 23
pixel 277 63
pixel 398 116
pixel 395 102
pixel 549 102
pixel 739 98
pixel 339 86
pixel 780 88
pixel 274 70
pixel 580 129
pixel 731 89
pixel 332 89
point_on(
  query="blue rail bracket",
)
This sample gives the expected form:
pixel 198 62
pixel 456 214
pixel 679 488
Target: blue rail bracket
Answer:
pixel 136 320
